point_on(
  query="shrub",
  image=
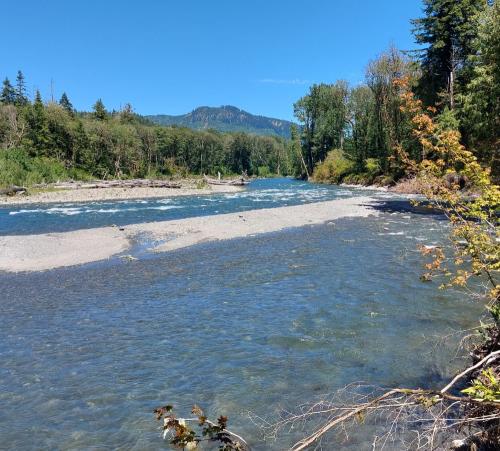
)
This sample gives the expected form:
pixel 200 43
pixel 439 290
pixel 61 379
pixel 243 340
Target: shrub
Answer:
pixel 263 171
pixel 18 168
pixel 173 169
pixel 372 166
pixel 334 169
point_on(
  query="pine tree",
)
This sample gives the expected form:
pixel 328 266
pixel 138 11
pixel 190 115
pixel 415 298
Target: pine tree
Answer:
pixel 8 95
pixel 127 113
pixel 82 157
pixel 21 97
pixel 99 110
pixel 66 104
pixel 38 104
pixel 38 130
pixel 448 30
pixel 480 106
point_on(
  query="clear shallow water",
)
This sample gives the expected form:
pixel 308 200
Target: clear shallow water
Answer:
pixel 265 193
pixel 249 324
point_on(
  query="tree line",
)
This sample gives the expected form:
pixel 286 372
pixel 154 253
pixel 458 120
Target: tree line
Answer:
pixel 45 141
pixel 456 74
pixel 346 133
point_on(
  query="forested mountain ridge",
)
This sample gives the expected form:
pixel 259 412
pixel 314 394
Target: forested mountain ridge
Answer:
pixel 226 118
pixel 45 141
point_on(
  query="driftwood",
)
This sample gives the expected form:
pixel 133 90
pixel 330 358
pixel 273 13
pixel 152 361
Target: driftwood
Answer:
pixel 134 183
pixel 236 182
pixel 12 190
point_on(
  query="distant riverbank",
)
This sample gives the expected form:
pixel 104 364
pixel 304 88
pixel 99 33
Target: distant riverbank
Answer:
pixel 188 188
pixel 54 250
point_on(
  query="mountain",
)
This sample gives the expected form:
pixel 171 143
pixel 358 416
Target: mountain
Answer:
pixel 226 119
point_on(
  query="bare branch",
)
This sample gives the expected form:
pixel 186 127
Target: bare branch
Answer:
pixel 488 359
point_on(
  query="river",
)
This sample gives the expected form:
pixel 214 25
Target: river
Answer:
pixel 247 325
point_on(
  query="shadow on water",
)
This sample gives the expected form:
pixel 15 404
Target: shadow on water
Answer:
pixel 405 206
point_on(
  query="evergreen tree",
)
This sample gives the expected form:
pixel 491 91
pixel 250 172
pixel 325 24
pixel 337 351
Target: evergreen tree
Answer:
pixel 66 104
pixel 81 144
pixel 127 113
pixel 21 96
pixel 448 30
pixel 38 104
pixel 38 130
pixel 8 95
pixel 480 105
pixel 100 112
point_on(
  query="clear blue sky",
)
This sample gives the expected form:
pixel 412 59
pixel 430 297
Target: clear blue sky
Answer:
pixel 172 56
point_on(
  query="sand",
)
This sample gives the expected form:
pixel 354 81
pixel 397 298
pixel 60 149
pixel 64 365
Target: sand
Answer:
pixel 102 194
pixel 56 250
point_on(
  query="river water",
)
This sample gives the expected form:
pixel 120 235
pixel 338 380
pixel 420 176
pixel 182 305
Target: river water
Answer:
pixel 248 325
pixel 263 193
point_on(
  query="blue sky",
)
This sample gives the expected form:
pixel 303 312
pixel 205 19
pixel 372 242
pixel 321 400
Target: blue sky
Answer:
pixel 172 56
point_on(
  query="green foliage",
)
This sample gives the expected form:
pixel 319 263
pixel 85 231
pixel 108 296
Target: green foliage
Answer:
pixel 458 71
pixel 474 219
pixel 365 121
pixel 323 114
pixel 21 97
pixel 447 120
pixel 447 30
pixel 182 435
pixel 19 168
pixel 479 110
pixel 100 112
pixel 495 312
pixel 263 171
pixel 125 145
pixel 485 388
pixel 8 95
pixel 370 175
pixel 372 166
pixel 66 104
pixel 362 120
pixel 38 133
pixel 297 165
pixel 334 169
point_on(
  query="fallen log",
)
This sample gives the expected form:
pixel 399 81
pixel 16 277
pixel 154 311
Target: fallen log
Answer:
pixel 235 182
pixel 98 184
pixel 12 190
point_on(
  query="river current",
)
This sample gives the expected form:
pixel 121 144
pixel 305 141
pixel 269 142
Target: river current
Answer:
pixel 247 325
pixel 263 193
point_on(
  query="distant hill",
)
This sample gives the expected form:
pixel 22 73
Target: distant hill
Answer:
pixel 226 119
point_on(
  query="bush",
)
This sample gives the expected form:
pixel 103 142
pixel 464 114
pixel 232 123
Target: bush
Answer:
pixel 358 179
pixel 372 166
pixel 263 171
pixel 334 169
pixel 172 169
pixel 18 168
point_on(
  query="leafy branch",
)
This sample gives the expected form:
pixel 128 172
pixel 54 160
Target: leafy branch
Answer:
pixel 185 437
